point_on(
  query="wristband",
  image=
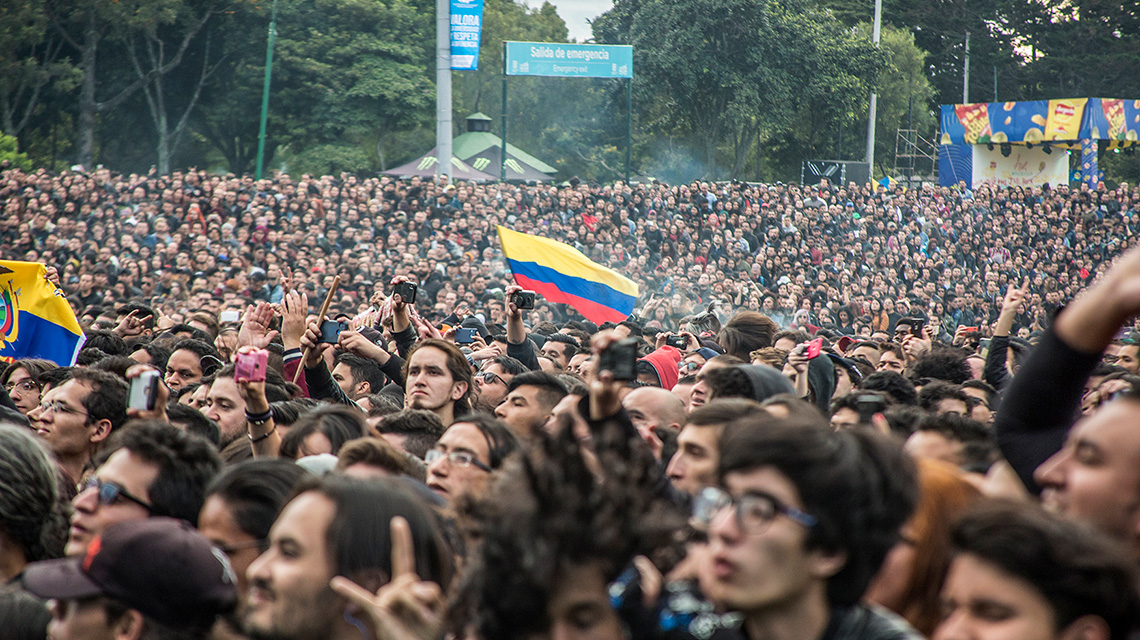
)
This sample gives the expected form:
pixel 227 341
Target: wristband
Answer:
pixel 259 418
pixel 263 436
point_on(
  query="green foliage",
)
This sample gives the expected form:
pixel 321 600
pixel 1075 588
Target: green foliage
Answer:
pixel 10 153
pixel 725 76
pixel 904 92
pixel 31 62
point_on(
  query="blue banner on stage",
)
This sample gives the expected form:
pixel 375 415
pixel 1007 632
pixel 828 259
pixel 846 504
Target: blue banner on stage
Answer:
pixel 466 26
pixel 569 60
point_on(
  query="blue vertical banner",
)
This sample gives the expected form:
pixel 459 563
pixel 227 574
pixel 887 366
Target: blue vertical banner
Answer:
pixel 466 26
pixel 1090 171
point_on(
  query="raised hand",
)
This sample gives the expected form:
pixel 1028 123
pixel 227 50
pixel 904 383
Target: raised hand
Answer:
pixel 313 348
pixel 161 396
pixel 295 307
pixel 407 608
pixel 131 325
pixel 254 329
pixel 355 343
pixel 1014 297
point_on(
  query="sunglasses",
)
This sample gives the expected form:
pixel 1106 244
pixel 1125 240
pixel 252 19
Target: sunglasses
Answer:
pixel 110 492
pixel 490 377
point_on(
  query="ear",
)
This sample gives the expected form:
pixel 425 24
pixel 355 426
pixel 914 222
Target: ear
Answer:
pixel 1088 627
pixel 364 389
pixel 458 390
pixel 825 564
pixel 129 627
pixel 100 431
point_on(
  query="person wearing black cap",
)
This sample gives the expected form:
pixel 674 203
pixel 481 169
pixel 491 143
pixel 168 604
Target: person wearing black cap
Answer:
pixel 139 580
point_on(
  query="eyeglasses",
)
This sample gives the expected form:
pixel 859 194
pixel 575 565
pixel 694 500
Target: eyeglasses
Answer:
pixel 753 511
pixel 58 406
pixel 22 387
pixel 110 492
pixel 490 377
pixel 688 366
pixel 456 458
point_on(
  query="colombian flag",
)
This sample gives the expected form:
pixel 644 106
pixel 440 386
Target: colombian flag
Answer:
pixel 35 319
pixel 560 273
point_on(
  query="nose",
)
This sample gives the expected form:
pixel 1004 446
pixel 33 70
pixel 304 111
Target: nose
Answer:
pixel 954 627
pixel 1051 472
pixel 676 467
pixel 499 413
pixel 723 525
pixel 258 569
pixel 86 500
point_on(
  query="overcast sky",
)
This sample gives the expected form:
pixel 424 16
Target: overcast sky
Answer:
pixel 576 13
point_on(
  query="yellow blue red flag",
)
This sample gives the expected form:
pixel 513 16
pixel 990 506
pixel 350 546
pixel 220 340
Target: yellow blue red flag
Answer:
pixel 35 319
pixel 560 273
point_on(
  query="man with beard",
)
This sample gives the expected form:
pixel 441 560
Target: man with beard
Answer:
pixel 226 406
pixel 492 380
pixel 341 542
pixel 438 379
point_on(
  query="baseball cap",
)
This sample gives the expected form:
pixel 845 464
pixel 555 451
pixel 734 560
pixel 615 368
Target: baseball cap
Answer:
pixel 161 567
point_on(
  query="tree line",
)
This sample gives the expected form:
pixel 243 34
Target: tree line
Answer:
pixel 742 89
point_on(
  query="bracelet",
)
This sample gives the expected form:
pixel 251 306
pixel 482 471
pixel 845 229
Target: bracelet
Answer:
pixel 263 436
pixel 259 418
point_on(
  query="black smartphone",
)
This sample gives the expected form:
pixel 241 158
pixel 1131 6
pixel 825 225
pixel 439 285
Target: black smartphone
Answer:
pixel 677 341
pixel 523 299
pixel 869 404
pixel 916 326
pixel 330 331
pixel 620 359
pixel 407 291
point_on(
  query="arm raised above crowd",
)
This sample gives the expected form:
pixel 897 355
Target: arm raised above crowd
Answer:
pixel 1044 397
pixel 518 346
pixel 1091 321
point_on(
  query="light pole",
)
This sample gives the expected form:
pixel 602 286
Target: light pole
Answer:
pixel 874 98
pixel 265 91
pixel 443 87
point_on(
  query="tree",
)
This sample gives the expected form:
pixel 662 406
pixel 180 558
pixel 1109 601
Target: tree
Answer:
pixel 727 75
pixel 87 25
pixel 10 154
pixel 31 59
pixel 904 93
pixel 155 43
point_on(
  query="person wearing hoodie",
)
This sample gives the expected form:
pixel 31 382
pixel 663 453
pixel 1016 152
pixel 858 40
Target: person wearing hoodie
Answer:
pixel 660 368
pixel 814 378
pixel 752 381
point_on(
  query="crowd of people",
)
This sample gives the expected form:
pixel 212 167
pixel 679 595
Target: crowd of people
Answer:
pixel 836 412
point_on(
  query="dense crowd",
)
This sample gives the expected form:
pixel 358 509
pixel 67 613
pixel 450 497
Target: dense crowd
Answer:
pixel 836 412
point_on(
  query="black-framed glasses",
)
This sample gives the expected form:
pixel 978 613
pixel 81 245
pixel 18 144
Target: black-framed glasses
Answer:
pixel 754 511
pixel 490 377
pixel 110 492
pixel 456 458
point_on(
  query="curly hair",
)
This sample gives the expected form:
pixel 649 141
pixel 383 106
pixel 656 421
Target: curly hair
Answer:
pixel 550 512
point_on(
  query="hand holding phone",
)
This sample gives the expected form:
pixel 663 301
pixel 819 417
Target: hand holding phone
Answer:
pixel 330 331
pixel 251 365
pixel 814 348
pixel 144 390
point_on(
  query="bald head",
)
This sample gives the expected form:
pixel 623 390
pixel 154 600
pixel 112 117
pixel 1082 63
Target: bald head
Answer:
pixel 653 407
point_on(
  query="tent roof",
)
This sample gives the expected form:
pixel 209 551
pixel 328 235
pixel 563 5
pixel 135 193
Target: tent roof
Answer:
pixel 426 166
pixel 475 142
pixel 487 161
